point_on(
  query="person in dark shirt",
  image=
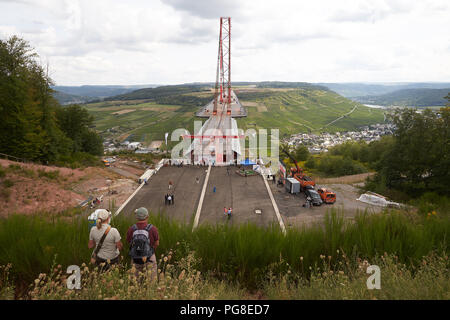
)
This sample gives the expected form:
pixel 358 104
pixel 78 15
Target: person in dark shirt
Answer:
pixel 153 236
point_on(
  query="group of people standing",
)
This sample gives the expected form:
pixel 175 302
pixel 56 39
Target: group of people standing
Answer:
pixel 169 199
pixel 142 237
pixel 227 212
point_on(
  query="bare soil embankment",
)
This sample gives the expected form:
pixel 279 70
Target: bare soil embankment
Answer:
pixel 28 188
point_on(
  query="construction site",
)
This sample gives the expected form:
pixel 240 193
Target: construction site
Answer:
pixel 216 179
pixel 216 182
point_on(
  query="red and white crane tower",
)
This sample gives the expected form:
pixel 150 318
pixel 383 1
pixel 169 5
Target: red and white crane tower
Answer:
pixel 222 90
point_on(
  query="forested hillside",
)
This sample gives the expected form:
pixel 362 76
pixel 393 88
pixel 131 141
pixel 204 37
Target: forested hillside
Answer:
pixel 34 126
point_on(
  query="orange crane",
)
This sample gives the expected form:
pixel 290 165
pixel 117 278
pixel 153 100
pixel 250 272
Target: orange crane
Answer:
pixel 298 174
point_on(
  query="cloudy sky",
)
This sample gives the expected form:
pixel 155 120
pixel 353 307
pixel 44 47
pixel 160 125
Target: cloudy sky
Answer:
pixel 175 41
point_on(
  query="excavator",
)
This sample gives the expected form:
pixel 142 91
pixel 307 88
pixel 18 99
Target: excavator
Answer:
pixel 298 174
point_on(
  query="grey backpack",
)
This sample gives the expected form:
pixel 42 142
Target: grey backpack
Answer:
pixel 140 244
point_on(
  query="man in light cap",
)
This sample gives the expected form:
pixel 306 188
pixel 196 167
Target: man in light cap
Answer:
pixel 143 239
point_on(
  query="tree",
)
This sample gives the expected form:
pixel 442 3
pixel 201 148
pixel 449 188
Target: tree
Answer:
pixel 92 143
pixel 301 153
pixel 29 127
pixel 420 155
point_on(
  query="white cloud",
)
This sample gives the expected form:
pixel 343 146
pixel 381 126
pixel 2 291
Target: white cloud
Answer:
pixel 175 41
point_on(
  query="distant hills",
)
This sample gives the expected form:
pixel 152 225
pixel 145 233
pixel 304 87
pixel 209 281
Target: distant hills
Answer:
pixel 408 97
pixel 351 90
pixel 65 98
pixel 402 94
pixel 82 94
pixel 159 92
pixel 174 90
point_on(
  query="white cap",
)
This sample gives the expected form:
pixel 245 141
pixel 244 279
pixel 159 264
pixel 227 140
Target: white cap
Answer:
pixel 103 214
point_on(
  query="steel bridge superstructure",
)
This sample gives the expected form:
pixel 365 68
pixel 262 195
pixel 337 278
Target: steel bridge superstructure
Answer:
pixel 218 140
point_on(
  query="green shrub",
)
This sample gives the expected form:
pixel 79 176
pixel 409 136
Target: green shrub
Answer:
pixel 52 175
pixel 311 163
pixel 5 193
pixel 7 183
pixel 19 170
pixel 339 166
pixel 431 202
pixel 428 280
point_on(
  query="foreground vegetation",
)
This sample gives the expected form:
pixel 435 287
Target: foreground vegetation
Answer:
pixel 181 280
pixel 242 258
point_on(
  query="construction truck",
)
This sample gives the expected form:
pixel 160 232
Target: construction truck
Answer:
pixel 327 195
pixel 298 174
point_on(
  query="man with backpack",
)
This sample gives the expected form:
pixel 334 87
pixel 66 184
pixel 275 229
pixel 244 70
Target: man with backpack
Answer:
pixel 143 239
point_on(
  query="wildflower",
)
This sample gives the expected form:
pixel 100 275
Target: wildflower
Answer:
pixel 433 213
pixel 165 259
pixel 301 258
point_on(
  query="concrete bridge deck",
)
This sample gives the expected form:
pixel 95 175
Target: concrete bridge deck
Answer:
pixel 244 195
pixel 185 189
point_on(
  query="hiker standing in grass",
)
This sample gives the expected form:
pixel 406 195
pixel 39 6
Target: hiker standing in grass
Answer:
pixel 106 241
pixel 143 239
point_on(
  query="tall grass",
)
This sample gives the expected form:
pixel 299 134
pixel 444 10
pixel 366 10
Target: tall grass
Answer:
pixel 244 253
